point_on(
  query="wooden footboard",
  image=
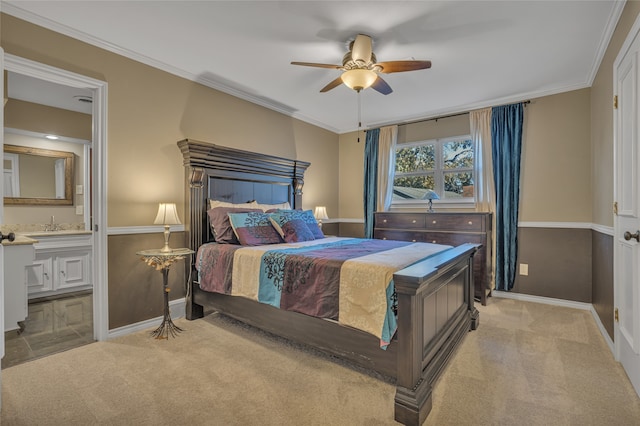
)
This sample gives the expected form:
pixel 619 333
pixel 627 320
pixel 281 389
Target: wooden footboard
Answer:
pixel 435 311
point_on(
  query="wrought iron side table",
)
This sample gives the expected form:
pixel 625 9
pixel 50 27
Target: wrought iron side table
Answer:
pixel 162 261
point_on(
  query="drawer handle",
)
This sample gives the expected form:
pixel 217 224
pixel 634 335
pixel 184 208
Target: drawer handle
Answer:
pixel 413 221
pixel 384 238
pixel 433 221
pixel 413 241
pixel 470 223
pixel 384 221
pixel 434 241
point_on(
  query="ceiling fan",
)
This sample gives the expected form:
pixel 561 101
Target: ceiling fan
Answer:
pixel 361 69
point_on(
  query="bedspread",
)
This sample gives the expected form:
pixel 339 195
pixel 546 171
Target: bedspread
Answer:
pixel 349 280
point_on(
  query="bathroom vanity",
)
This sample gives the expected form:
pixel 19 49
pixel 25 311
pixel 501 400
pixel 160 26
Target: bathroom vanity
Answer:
pixel 62 263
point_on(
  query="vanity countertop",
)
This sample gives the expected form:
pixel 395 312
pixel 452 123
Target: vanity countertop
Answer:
pixel 19 241
pixel 35 234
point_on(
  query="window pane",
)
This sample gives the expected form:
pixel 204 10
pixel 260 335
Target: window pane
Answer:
pixel 415 159
pixel 458 185
pixel 458 154
pixel 412 187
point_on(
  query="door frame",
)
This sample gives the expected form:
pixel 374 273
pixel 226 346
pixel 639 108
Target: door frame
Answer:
pixel 99 182
pixel 633 33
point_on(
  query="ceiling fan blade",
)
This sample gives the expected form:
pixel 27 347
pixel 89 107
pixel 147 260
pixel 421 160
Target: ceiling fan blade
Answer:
pixel 361 50
pixel 335 83
pixel 401 66
pixel 313 64
pixel 381 86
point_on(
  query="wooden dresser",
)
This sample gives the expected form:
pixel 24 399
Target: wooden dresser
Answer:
pixel 444 228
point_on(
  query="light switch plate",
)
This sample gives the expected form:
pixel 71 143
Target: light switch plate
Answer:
pixel 79 189
pixel 79 210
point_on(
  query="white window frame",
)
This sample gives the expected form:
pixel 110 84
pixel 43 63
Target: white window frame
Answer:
pixel 438 173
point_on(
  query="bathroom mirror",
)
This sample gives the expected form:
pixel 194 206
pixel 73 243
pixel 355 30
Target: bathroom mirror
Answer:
pixel 35 176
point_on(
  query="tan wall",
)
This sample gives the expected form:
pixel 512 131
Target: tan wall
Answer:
pixel 44 119
pixel 150 110
pixel 351 160
pixel 556 159
pixel 602 120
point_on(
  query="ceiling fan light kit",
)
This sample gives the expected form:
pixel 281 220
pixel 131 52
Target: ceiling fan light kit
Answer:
pixel 358 79
pixel 360 67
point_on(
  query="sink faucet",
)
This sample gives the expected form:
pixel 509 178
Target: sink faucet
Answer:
pixel 52 226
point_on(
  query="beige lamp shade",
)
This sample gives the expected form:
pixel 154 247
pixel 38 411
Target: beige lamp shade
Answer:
pixel 167 215
pixel 321 213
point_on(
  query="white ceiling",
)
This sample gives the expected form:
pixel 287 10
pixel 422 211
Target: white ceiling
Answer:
pixel 483 52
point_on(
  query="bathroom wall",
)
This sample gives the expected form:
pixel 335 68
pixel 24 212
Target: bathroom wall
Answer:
pixel 24 122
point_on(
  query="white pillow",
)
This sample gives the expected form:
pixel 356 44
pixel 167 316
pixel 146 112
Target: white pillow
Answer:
pixel 216 203
pixel 280 206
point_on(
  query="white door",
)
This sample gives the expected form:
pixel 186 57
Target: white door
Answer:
pixel 627 196
pixel 1 216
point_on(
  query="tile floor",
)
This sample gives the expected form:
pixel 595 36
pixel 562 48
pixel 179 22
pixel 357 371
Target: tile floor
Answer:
pixel 54 324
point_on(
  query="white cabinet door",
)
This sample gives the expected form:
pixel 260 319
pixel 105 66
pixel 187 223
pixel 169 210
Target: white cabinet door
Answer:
pixel 73 270
pixel 39 275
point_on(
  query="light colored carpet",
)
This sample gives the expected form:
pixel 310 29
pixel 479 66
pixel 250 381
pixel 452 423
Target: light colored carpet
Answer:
pixel 528 364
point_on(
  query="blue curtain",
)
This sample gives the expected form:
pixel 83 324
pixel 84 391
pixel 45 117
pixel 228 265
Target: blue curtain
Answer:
pixel 370 179
pixel 506 136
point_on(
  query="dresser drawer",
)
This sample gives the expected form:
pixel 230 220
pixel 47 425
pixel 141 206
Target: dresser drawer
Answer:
pixel 400 220
pixel 453 238
pixel 455 222
pixel 384 234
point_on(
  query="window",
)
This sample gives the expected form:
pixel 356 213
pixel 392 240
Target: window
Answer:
pixel 444 166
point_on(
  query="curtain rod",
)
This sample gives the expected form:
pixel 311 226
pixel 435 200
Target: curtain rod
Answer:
pixel 525 103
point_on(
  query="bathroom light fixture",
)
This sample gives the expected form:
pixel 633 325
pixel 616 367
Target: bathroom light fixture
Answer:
pixel 167 215
pixel 52 137
pixel 320 215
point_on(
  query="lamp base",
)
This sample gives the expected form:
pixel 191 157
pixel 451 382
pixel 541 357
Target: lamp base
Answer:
pixel 167 233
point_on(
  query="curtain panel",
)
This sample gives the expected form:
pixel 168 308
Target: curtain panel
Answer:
pixel 370 179
pixel 480 125
pixel 506 136
pixel 386 166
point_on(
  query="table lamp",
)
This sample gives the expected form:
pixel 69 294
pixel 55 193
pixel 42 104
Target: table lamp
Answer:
pixel 430 195
pixel 167 215
pixel 320 215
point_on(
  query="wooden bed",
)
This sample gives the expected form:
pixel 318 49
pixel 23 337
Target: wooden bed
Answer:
pixel 435 296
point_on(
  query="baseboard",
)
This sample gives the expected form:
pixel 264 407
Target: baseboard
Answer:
pixel 177 308
pixel 559 302
pixel 603 331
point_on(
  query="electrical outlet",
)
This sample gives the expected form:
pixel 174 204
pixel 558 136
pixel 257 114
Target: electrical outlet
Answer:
pixel 79 210
pixel 524 269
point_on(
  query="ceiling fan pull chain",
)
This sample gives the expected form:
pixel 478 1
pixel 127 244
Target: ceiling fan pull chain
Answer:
pixel 359 114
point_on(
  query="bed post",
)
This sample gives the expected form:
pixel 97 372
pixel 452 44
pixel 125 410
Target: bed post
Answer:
pixel 194 211
pixel 298 183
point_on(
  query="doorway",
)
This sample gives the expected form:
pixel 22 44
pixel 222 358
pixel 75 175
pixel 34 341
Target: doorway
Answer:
pixel 92 192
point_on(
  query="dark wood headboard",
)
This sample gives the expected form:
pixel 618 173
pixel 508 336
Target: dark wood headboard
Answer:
pixel 227 174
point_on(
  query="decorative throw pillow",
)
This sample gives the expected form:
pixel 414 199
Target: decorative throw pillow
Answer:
pixel 292 230
pixel 304 215
pixel 220 225
pixel 254 229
